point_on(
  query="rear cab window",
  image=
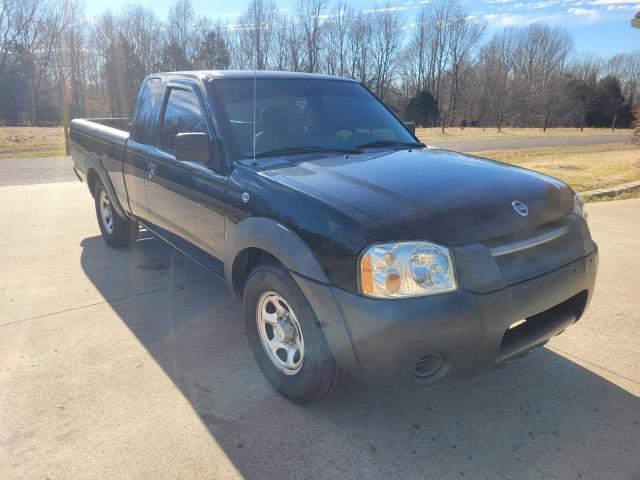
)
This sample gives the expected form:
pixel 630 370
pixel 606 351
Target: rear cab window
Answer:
pixel 144 119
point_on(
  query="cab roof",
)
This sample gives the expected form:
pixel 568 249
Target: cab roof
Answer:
pixel 228 74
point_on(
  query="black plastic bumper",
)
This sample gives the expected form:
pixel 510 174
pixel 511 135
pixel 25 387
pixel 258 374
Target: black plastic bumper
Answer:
pixel 383 340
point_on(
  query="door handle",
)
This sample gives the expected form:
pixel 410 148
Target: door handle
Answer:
pixel 153 170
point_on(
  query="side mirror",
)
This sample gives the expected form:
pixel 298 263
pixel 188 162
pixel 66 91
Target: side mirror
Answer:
pixel 193 147
pixel 411 126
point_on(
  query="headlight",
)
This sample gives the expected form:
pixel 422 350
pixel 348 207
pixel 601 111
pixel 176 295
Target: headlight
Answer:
pixel 406 269
pixel 578 206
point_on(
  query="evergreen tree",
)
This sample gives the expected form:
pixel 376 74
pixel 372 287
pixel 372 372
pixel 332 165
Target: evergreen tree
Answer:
pixel 423 109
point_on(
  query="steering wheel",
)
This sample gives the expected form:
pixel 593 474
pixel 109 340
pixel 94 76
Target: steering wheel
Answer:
pixel 337 130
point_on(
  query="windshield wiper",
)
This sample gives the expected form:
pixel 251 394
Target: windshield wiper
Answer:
pixel 305 149
pixel 390 143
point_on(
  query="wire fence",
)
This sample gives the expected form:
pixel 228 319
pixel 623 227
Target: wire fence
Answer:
pixel 46 115
pixel 30 130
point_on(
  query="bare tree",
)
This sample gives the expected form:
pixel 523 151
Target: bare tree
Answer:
pixel 464 38
pixel 338 28
pixel 439 17
pixel 37 39
pixel 142 28
pixel 360 47
pixel 15 17
pixel 181 34
pixel 417 52
pixel 626 67
pixel 258 30
pixel 494 74
pixel 386 44
pixel 309 16
pixel 541 56
pixel 50 56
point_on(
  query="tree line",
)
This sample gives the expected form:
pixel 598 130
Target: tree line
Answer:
pixel 436 66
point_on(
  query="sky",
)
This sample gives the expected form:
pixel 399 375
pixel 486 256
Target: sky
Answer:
pixel 599 27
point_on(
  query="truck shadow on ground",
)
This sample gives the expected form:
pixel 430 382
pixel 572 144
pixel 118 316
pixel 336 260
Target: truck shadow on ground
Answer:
pixel 542 416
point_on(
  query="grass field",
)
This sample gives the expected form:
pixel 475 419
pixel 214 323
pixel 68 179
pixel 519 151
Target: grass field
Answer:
pixel 457 134
pixel 583 167
pixel 20 142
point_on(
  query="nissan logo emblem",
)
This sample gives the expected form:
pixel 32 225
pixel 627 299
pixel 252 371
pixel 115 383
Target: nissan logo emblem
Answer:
pixel 520 208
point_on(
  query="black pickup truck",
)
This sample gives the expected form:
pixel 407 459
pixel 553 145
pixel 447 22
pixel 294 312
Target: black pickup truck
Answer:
pixel 355 248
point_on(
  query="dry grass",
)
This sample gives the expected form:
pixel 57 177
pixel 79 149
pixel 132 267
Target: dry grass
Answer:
pixel 585 167
pixel 435 134
pixel 22 142
pixel 19 142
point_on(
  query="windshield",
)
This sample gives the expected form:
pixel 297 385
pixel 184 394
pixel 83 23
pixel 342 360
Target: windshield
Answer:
pixel 295 113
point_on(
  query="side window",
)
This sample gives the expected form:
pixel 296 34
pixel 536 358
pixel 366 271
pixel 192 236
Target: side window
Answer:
pixel 181 115
pixel 143 124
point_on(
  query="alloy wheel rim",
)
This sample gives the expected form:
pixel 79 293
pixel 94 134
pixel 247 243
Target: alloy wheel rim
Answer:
pixel 280 333
pixel 106 211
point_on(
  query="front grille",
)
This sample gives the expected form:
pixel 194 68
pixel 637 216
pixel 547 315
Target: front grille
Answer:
pixel 531 242
pixel 546 248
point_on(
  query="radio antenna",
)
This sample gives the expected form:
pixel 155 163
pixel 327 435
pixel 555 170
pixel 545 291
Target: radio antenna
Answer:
pixel 254 115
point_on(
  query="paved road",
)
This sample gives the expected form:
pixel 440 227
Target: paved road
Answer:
pixel 28 171
pixel 134 364
pixel 535 142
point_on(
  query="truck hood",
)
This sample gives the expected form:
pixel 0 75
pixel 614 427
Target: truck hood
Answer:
pixel 434 194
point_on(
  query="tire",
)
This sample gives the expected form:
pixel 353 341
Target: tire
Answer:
pixel 118 232
pixel 316 374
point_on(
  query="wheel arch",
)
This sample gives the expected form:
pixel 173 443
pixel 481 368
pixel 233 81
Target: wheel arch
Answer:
pixel 256 240
pixel 92 179
pixel 95 172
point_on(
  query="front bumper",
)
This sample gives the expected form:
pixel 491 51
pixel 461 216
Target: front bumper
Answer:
pixel 383 340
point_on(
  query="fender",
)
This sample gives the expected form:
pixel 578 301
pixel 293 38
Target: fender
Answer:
pixel 95 163
pixel 273 237
pixel 297 257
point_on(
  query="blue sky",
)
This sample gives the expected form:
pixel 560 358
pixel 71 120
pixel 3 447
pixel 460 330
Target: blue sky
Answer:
pixel 600 27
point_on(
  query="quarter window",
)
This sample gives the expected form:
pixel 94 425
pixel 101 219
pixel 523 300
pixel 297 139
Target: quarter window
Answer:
pixel 143 123
pixel 182 114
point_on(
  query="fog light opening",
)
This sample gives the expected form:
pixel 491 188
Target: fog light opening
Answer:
pixel 428 365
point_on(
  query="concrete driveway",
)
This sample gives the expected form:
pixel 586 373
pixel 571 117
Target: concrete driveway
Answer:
pixel 134 364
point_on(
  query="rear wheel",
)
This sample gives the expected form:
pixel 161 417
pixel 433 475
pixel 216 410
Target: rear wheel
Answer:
pixel 286 338
pixel 118 232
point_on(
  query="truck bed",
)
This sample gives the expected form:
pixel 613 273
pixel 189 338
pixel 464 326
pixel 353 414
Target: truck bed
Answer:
pixel 98 135
pixel 100 143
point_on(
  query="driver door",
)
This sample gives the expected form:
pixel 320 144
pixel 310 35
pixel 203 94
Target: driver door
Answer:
pixel 186 199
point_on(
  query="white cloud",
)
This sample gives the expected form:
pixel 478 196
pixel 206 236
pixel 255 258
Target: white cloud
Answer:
pixel 612 2
pixel 385 9
pixel 586 14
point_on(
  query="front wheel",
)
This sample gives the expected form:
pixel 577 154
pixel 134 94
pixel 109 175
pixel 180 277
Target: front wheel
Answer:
pixel 118 232
pixel 286 338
